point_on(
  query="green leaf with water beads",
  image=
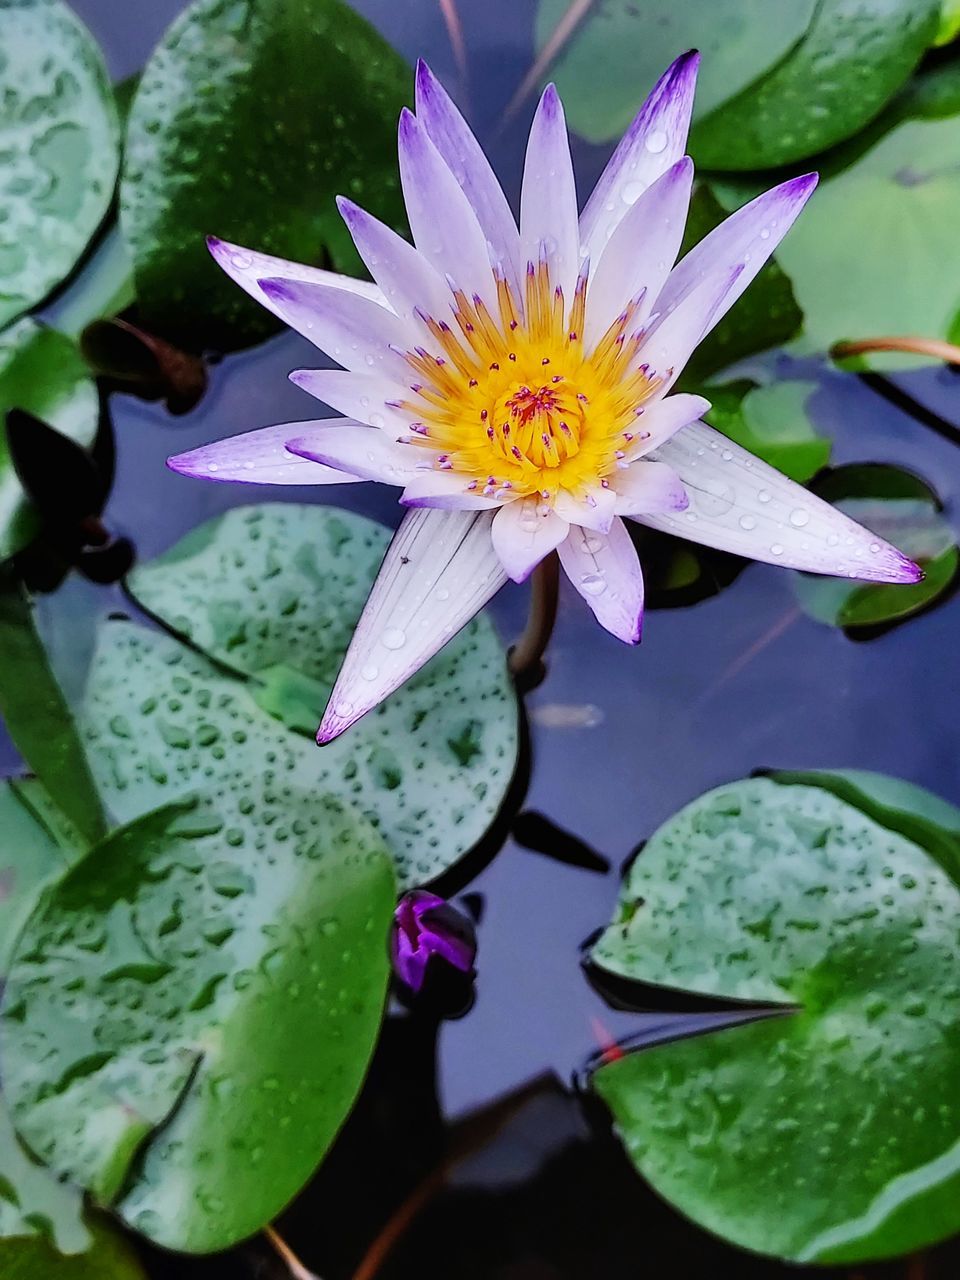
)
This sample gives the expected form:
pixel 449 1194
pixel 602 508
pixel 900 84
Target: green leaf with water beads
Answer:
pixel 272 594
pixel 189 1014
pixel 739 40
pixel 108 1258
pixel 204 157
pixel 830 1133
pixel 772 422
pixel 42 372
pixel 903 509
pixel 60 148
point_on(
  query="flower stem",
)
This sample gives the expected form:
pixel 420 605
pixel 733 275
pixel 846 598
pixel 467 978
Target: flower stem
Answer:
pixel 293 1264
pixel 935 348
pixel 525 660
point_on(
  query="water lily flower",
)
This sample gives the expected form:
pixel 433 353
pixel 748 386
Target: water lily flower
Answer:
pixel 425 927
pixel 516 382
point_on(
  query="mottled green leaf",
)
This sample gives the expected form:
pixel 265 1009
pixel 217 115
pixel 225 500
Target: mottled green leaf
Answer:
pixel 109 1258
pixel 249 118
pixel 272 593
pixel 832 1133
pixel 189 1013
pixel 772 422
pixel 60 148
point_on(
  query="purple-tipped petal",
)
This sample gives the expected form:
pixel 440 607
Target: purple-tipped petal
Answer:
pixel 605 569
pixel 363 452
pixel 361 396
pixel 641 251
pixel 439 571
pixel 257 457
pixel 673 339
pixel 594 511
pixel 548 199
pixel 447 491
pixel 444 226
pixel 356 333
pixel 656 139
pixel 409 282
pixel 450 134
pixel 247 268
pixel 662 419
pixel 649 486
pixel 523 534
pixel 741 244
pixel 740 504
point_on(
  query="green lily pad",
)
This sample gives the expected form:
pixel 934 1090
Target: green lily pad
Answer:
pixel 272 594
pixel 903 509
pixel 30 856
pixel 203 156
pixel 109 1258
pixel 831 1133
pixel 60 148
pixel 851 61
pixel 42 372
pixel 188 1016
pixel 739 39
pixel 772 422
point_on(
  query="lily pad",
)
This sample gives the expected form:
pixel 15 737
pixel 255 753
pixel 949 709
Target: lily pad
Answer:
pixel 60 148
pixel 831 1133
pixel 740 40
pixel 271 594
pixel 772 422
pixel 109 1258
pixel 903 509
pixel 30 856
pixel 851 61
pixel 189 1016
pixel 42 372
pixel 204 157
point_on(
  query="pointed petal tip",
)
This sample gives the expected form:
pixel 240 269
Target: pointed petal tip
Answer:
pixel 213 244
pixel 334 722
pixel 426 82
pixel 278 289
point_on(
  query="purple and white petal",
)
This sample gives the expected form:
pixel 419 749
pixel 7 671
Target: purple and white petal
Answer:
pixel 658 421
pixel 641 252
pixel 740 504
pixel 447 491
pixel 442 221
pixel 362 452
pixel 409 283
pixel 451 135
pixel 605 569
pixel 674 338
pixel 439 571
pixel 362 396
pixel 247 268
pixel 656 139
pixel 594 511
pixel 257 457
pixel 548 197
pixel 742 244
pixel 356 333
pixel 523 534
pixel 647 486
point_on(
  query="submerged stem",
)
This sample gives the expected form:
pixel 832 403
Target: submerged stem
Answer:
pixel 525 660
pixel 936 348
pixel 293 1264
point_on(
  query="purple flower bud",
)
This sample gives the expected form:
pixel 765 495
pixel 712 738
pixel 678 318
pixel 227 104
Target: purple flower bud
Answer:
pixel 425 926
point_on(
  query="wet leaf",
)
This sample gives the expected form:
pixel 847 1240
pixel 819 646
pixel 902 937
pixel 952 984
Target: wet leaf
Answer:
pixel 830 1134
pixel 36 715
pixel 739 40
pixel 189 1013
pixel 273 593
pixel 204 157
pixel 772 422
pixel 903 509
pixel 42 373
pixel 60 148
pixel 30 856
pixel 109 1258
pixel 852 59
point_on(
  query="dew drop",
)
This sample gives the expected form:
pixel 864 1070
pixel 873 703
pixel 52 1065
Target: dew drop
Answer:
pixel 657 142
pixel 632 192
pixel 370 672
pixel 799 517
pixel 776 549
pixel 764 495
pixel 593 584
pixel 748 523
pixel 393 638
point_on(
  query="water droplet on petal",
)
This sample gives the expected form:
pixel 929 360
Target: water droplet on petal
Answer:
pixel 799 517
pixel 657 142
pixel 393 638
pixel 593 584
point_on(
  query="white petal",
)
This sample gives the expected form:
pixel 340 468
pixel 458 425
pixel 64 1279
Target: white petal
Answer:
pixel 595 512
pixel 548 199
pixel 439 570
pixel 649 486
pixel 450 134
pixel 661 419
pixel 257 457
pixel 656 139
pixel 444 226
pixel 447 491
pixel 362 396
pixel 641 252
pixel 356 333
pixel 363 452
pixel 247 268
pixel 739 504
pixel 523 535
pixel 605 569
pixel 673 339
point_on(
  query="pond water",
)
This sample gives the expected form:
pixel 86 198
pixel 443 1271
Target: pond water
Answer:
pixel 620 739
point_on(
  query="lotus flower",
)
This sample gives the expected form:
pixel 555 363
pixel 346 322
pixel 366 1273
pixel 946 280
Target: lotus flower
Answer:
pixel 517 383
pixel 426 929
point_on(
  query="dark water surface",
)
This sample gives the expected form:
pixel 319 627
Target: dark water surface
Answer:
pixel 621 739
